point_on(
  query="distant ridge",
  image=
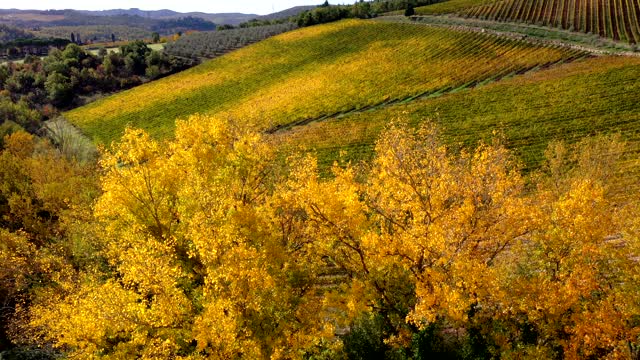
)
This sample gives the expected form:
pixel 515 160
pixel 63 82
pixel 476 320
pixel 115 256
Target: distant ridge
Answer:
pixel 45 16
pixel 154 14
pixel 294 11
pixel 164 14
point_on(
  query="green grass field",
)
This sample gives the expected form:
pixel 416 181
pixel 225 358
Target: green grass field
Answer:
pixel 314 72
pixel 589 97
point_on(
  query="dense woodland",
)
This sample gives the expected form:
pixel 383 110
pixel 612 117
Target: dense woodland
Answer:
pixel 325 13
pixel 36 89
pixel 9 33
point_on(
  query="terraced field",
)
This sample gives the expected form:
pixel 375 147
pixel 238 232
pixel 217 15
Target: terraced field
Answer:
pixel 593 96
pixel 315 72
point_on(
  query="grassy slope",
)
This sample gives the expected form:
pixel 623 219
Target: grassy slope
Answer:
pixel 450 6
pixel 598 95
pixel 312 72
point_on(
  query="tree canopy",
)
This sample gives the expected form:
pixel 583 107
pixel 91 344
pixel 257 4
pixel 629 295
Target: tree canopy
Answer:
pixel 211 246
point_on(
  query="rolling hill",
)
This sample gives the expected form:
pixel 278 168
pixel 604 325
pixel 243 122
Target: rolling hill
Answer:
pixel 589 97
pixel 334 87
pixel 60 23
pixel 221 18
pixel 35 18
pixel 318 72
pixel 294 11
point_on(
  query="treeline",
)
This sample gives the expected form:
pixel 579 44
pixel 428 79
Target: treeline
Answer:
pixel 383 6
pixel 189 23
pixel 216 43
pixel 34 91
pixel 9 33
pixel 96 33
pixel 361 9
pixel 328 13
pixel 209 246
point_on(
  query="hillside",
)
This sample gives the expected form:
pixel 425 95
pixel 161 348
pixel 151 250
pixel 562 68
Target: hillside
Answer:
pixel 450 7
pixel 615 19
pixel 37 17
pixel 317 72
pixel 294 11
pixel 593 96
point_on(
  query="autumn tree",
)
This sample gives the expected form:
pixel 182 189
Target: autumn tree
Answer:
pixel 572 282
pixel 44 202
pixel 211 246
pixel 199 263
pixel 438 231
pixel 431 237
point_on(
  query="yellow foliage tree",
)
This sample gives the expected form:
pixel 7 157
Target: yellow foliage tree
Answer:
pixel 42 196
pixel 423 218
pixel 200 265
pixel 458 238
pixel 212 249
pixel 573 281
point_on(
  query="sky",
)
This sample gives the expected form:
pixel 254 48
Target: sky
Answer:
pixel 260 7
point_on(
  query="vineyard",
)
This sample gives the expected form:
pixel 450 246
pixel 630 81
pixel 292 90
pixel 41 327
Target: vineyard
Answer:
pixel 457 184
pixel 616 19
pixel 215 43
pixel 569 102
pixel 317 72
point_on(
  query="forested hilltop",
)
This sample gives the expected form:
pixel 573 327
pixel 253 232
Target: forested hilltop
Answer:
pixel 383 180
